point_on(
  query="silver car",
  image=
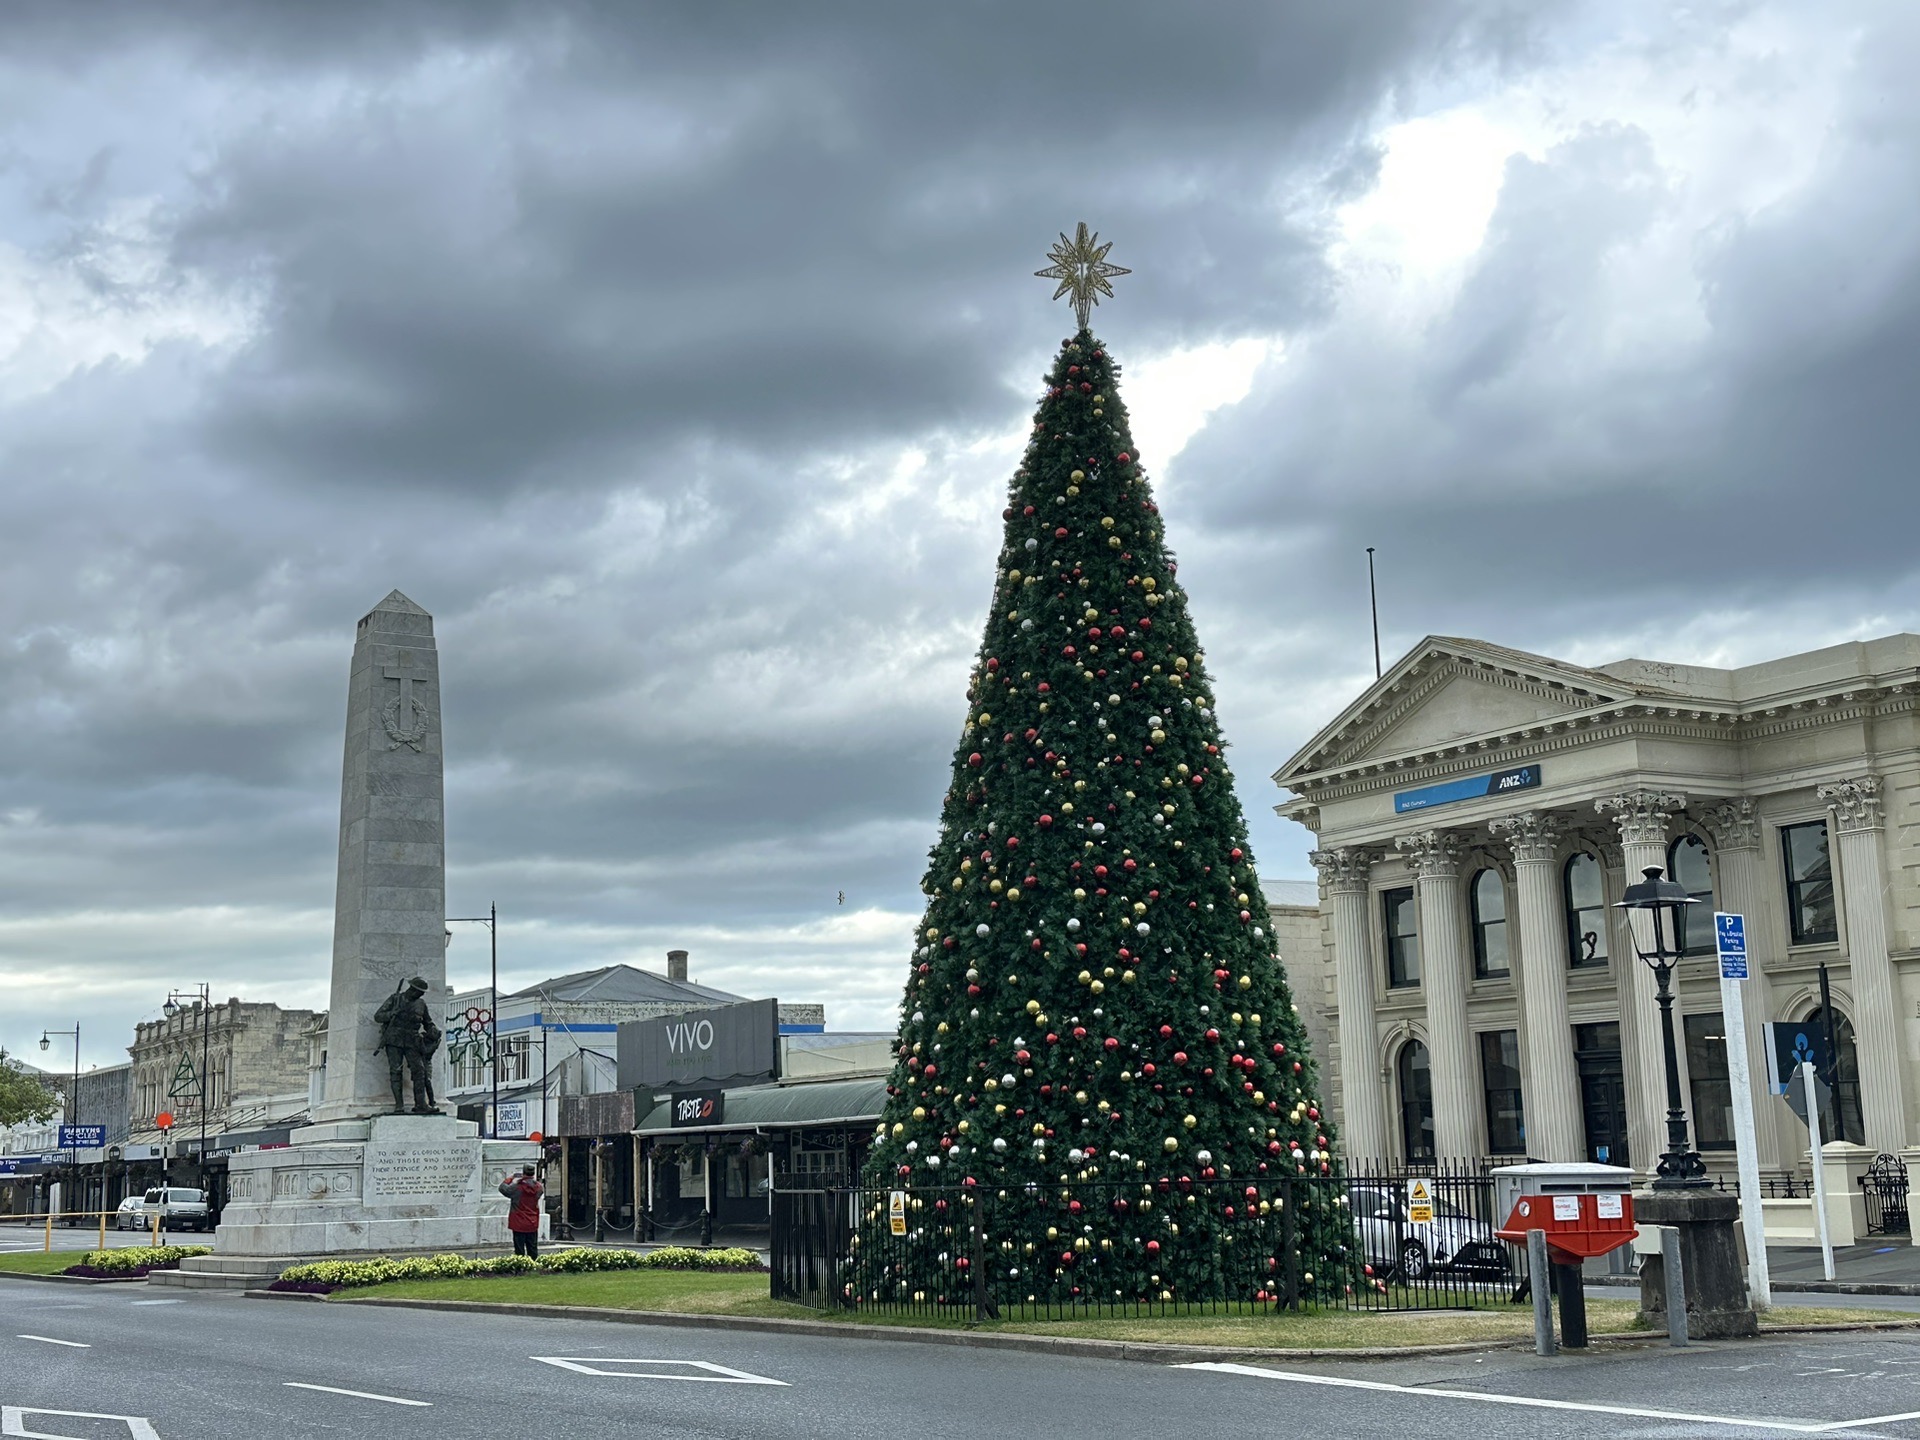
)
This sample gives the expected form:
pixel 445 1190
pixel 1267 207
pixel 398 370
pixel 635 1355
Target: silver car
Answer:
pixel 132 1214
pixel 1452 1241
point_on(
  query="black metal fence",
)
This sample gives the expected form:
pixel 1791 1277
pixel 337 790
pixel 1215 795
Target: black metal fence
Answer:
pixel 1148 1247
pixel 1884 1189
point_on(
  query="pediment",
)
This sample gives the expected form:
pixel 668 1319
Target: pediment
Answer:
pixel 1457 705
pixel 1448 690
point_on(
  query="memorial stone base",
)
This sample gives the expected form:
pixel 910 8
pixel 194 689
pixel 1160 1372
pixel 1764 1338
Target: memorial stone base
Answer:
pixel 394 1183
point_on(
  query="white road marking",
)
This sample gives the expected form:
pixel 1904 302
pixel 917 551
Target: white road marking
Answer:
pixel 1796 1427
pixel 49 1340
pixel 13 1423
pixel 360 1394
pixel 716 1374
pixel 159 1302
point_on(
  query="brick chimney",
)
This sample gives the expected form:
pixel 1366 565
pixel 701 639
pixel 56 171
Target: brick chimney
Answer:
pixel 676 965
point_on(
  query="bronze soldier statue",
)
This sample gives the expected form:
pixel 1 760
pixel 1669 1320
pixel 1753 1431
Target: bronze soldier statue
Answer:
pixel 410 1038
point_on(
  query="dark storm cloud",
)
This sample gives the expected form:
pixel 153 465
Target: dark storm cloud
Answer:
pixel 676 360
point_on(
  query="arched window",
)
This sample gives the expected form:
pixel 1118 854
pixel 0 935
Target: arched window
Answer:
pixel 1586 899
pixel 1689 866
pixel 1416 1101
pixel 1846 1077
pixel 1489 902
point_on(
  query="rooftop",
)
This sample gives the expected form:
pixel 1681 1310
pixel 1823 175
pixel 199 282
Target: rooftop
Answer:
pixel 616 984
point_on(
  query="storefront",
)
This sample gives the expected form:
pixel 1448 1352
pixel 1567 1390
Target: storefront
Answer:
pixel 709 1176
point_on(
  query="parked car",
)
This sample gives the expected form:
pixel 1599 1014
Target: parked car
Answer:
pixel 178 1208
pixel 1452 1241
pixel 132 1214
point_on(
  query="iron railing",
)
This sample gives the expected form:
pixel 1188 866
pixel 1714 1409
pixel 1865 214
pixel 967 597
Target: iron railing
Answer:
pixel 1145 1247
pixel 1884 1189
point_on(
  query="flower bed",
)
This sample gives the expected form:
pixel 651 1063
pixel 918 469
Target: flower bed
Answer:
pixel 133 1262
pixel 322 1277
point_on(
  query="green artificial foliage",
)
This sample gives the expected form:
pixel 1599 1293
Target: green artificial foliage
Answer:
pixel 1096 1016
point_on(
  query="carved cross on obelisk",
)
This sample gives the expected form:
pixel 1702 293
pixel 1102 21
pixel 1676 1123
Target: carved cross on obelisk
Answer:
pixel 404 719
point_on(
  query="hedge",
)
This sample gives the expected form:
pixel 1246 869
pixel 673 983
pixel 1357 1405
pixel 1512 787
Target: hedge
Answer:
pixel 351 1274
pixel 134 1260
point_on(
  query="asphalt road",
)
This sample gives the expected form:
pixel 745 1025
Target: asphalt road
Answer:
pixel 221 1366
pixel 17 1238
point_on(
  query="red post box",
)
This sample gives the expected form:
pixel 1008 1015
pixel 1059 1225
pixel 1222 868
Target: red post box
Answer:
pixel 1577 1227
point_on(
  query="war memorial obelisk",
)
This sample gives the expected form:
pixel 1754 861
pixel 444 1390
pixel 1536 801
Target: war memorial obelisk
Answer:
pixel 371 1174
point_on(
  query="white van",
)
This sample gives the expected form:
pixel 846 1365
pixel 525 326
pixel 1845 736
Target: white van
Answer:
pixel 178 1209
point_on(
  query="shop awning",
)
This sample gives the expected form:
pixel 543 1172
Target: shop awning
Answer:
pixel 773 1107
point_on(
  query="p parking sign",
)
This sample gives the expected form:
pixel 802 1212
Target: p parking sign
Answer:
pixel 1730 941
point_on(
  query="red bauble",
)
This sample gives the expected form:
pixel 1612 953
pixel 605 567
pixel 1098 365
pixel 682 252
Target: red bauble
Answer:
pixel 1060 532
pixel 1234 854
pixel 993 663
pixel 1179 1057
pixel 975 759
pixel 1166 1032
pixel 1123 457
pixel 1046 820
pixel 1137 657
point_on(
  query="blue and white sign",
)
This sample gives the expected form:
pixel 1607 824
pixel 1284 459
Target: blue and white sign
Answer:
pixel 511 1120
pixel 1474 787
pixel 18 1164
pixel 82 1137
pixel 1730 939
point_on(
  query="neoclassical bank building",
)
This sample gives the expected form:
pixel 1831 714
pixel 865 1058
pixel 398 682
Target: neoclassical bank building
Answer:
pixel 1479 811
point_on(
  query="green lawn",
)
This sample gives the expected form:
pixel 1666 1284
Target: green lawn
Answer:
pixel 39 1262
pixel 689 1293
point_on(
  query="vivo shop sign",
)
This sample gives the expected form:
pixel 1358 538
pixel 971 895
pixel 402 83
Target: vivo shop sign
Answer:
pixel 727 1045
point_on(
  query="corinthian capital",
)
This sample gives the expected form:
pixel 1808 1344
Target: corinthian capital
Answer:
pixel 1735 826
pixel 1532 835
pixel 1343 869
pixel 1641 815
pixel 1435 853
pixel 1856 802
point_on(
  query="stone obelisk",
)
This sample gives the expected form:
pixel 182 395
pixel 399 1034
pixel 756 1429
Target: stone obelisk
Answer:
pixel 390 904
pixel 360 1177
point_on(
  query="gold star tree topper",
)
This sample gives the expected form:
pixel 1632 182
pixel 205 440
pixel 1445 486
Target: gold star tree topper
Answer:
pixel 1080 265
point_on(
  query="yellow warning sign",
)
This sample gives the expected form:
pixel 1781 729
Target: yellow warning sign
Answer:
pixel 897 1212
pixel 1419 1202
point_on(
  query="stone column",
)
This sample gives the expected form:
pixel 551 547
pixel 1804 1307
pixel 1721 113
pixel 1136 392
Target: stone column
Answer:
pixel 1363 1104
pixel 1556 1126
pixel 1740 889
pixel 1641 816
pixel 1876 1018
pixel 1459 1121
pixel 390 903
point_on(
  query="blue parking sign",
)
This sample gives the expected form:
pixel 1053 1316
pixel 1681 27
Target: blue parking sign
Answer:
pixel 1730 940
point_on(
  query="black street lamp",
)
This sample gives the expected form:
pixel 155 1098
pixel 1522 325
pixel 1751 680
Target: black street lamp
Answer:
pixel 1681 1167
pixel 492 921
pixel 71 1109
pixel 172 1008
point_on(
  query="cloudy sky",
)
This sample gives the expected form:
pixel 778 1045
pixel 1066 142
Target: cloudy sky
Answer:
pixel 676 359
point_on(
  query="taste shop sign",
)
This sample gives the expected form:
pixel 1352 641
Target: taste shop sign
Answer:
pixel 728 1045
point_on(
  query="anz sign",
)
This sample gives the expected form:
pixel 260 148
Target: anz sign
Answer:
pixel 1474 787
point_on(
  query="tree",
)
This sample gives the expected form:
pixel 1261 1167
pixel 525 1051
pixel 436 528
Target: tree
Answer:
pixel 1095 1007
pixel 22 1096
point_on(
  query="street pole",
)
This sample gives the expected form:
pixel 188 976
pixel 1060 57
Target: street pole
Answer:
pixel 493 1010
pixel 492 921
pixel 1819 1169
pixel 206 1084
pixel 1733 1014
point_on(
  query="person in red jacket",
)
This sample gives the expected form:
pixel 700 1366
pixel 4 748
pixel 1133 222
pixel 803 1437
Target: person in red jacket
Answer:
pixel 524 1218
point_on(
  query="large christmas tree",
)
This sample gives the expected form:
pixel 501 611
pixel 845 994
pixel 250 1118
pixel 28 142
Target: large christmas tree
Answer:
pixel 1096 1018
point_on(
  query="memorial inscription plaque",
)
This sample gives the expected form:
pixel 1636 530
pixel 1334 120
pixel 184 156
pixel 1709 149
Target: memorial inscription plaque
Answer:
pixel 422 1174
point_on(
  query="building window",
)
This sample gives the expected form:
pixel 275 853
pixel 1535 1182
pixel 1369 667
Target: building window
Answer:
pixel 1489 902
pixel 1586 898
pixel 516 1059
pixel 1706 1039
pixel 1403 938
pixel 1845 1078
pixel 1500 1081
pixel 1810 912
pixel 1689 866
pixel 469 1058
pixel 1416 1101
